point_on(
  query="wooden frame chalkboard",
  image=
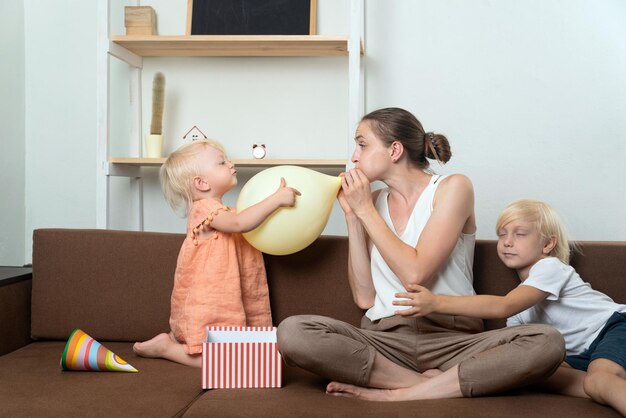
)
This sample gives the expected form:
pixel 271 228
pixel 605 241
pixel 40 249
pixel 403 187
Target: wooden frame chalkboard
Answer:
pixel 251 17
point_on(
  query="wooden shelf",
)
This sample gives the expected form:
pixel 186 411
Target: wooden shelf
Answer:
pixel 235 45
pixel 155 162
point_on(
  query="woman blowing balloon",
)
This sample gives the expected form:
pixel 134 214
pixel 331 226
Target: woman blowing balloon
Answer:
pixel 417 230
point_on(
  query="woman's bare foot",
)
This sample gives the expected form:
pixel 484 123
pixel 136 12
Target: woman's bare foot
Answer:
pixel 368 394
pixel 443 385
pixel 154 347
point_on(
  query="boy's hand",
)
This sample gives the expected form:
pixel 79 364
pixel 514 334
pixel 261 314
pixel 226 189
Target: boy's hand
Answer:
pixel 421 301
pixel 286 196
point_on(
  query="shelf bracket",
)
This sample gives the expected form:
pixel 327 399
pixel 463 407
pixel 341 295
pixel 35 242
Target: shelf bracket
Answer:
pixel 125 55
pixel 120 170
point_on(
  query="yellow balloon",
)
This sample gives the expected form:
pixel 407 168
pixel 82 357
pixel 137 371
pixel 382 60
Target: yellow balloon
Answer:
pixel 289 230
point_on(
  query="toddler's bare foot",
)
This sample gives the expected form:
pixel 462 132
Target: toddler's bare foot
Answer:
pixel 154 347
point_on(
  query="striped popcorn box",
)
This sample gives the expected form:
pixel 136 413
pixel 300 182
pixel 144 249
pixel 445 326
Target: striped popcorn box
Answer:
pixel 241 357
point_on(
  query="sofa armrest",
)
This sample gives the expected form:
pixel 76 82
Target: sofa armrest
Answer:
pixel 15 305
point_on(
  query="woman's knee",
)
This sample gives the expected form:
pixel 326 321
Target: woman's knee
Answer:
pixel 288 332
pixel 544 349
pixel 552 346
pixel 293 335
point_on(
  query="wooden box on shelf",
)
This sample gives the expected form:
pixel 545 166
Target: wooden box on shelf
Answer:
pixel 140 20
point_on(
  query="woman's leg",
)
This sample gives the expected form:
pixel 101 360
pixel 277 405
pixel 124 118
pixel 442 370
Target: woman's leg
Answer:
pixel 444 385
pixel 342 352
pixel 483 363
pixel 510 358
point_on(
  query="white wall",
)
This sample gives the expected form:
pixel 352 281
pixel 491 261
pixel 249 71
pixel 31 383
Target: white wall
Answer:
pixel 60 118
pixel 531 95
pixel 12 133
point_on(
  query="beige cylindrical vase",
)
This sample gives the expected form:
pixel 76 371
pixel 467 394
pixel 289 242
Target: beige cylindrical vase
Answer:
pixel 154 145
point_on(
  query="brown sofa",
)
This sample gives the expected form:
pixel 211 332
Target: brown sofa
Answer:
pixel 116 286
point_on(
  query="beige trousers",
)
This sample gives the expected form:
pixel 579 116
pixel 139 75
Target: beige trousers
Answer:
pixel 489 362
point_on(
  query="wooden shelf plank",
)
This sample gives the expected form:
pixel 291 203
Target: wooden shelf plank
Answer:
pixel 232 46
pixel 235 45
pixel 155 162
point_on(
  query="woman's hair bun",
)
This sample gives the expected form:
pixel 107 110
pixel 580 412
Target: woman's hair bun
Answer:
pixel 437 147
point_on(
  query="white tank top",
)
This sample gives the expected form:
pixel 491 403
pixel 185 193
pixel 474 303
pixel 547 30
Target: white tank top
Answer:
pixel 455 277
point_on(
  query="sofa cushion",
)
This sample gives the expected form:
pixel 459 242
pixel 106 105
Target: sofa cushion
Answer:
pixel 114 285
pixel 33 385
pixel 303 395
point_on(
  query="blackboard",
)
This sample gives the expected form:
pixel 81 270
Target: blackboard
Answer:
pixel 251 17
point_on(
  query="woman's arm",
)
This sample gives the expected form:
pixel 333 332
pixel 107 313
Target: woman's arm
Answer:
pixel 359 270
pixel 422 302
pixel 251 217
pixel 453 206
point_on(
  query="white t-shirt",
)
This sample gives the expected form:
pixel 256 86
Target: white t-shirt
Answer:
pixel 572 307
pixel 455 276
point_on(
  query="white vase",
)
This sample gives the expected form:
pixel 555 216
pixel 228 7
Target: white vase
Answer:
pixel 154 145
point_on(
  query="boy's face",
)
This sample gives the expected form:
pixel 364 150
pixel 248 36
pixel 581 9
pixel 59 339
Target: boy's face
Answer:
pixel 520 246
pixel 216 170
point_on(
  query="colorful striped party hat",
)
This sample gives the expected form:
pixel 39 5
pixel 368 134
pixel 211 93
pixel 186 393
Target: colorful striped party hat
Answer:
pixel 84 353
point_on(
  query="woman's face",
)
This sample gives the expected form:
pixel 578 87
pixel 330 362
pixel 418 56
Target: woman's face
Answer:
pixel 370 155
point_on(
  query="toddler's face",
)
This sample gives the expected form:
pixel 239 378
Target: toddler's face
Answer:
pixel 217 170
pixel 520 246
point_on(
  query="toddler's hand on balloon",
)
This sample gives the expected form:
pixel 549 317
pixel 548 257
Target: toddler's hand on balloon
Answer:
pixel 286 196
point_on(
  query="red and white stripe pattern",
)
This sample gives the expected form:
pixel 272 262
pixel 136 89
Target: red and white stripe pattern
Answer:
pixel 241 357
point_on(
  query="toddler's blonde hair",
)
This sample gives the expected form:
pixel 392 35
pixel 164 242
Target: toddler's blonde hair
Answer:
pixel 178 171
pixel 545 219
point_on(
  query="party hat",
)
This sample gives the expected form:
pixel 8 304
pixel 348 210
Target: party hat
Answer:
pixel 84 353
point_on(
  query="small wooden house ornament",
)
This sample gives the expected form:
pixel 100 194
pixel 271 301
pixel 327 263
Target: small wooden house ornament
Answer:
pixel 194 134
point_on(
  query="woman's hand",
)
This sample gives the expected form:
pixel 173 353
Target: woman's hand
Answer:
pixel 355 195
pixel 421 301
pixel 286 196
pixel 347 210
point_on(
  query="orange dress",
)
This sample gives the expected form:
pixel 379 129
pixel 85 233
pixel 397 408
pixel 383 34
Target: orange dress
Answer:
pixel 220 280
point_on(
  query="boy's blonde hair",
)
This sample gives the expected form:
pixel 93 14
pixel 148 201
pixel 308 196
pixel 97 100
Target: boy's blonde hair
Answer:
pixel 545 219
pixel 178 171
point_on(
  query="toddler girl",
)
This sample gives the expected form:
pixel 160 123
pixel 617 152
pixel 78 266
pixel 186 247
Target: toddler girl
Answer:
pixel 220 278
pixel 532 240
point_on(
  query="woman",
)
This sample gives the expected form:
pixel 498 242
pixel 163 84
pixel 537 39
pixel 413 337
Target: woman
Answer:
pixel 418 230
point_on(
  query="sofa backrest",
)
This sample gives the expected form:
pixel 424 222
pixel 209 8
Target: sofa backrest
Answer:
pixel 116 285
pixel 313 281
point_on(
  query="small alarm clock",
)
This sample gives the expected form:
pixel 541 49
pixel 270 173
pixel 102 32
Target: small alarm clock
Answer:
pixel 258 151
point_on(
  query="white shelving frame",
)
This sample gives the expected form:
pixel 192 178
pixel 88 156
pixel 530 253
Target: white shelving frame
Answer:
pixel 107 49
